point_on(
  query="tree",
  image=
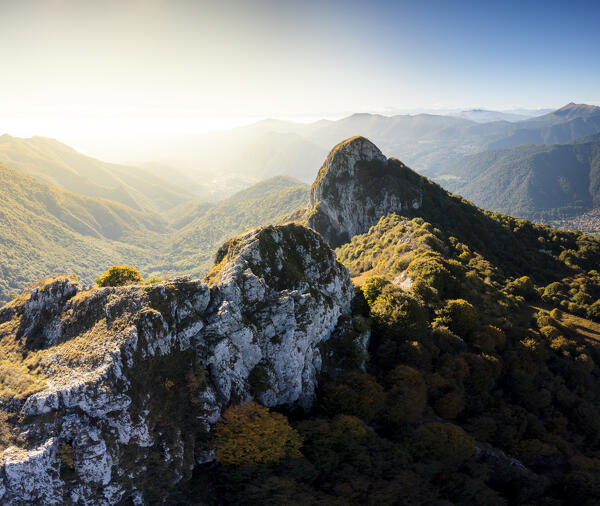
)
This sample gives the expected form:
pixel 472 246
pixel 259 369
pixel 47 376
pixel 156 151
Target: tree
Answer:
pixel 522 286
pixel 250 434
pixel 406 397
pixel 445 443
pixel 356 393
pixel 120 275
pixel 373 286
pixel 398 314
pixel 459 316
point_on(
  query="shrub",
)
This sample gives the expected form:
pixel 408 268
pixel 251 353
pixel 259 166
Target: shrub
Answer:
pixel 356 393
pixel 450 405
pixel 522 286
pixel 497 335
pixel 120 275
pixel 154 280
pixel 550 332
pixel 372 287
pixel 345 451
pixel 423 290
pixel 446 340
pixel 445 443
pixel 398 314
pixel 483 371
pixel 249 434
pixel 406 397
pixel 556 314
pixel 434 270
pixel 593 311
pixel 459 316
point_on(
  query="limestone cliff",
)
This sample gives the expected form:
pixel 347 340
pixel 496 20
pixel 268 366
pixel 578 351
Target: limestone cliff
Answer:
pixel 355 187
pixel 119 387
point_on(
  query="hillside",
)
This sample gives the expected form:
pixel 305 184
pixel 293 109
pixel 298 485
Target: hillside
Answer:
pixel 44 229
pixel 62 166
pixel 192 248
pixel 462 368
pixel 536 182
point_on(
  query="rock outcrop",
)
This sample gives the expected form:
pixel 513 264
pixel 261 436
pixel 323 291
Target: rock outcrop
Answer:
pixel 355 187
pixel 124 383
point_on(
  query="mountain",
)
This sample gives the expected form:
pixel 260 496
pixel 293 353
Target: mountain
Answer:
pixel 461 368
pixel 355 187
pixel 62 166
pixel 45 229
pixel 568 112
pixel 114 350
pixel 485 116
pixel 536 182
pixel 430 142
pixel 559 127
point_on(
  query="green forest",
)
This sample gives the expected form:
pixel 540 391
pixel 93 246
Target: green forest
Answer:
pixel 479 386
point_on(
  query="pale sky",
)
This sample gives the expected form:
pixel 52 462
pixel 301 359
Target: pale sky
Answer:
pixel 133 69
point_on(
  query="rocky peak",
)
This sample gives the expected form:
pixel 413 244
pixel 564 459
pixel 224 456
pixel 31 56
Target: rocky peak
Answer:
pixel 355 187
pixel 125 383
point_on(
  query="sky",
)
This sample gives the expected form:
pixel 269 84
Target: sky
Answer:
pixel 94 72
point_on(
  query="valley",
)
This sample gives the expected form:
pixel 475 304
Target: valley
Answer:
pixel 46 228
pixel 438 344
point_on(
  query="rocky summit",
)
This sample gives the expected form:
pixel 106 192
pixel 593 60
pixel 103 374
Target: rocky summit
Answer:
pixel 356 186
pixel 119 386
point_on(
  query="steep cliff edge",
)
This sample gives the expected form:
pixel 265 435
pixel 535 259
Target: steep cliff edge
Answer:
pixel 355 187
pixel 118 387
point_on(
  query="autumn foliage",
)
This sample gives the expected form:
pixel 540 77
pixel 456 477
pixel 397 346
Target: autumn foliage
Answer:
pixel 249 434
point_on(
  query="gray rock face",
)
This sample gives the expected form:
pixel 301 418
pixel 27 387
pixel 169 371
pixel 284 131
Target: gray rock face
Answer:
pixel 132 379
pixel 355 187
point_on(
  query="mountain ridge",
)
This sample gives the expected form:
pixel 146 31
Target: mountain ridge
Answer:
pixel 532 181
pixel 442 368
pixel 61 165
pixel 427 141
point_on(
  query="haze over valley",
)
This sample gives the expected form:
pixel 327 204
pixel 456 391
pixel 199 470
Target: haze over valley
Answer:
pixel 170 216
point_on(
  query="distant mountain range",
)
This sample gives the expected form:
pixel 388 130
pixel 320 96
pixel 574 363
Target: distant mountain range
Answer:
pixel 540 182
pixel 485 116
pixel 428 142
pixel 64 211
